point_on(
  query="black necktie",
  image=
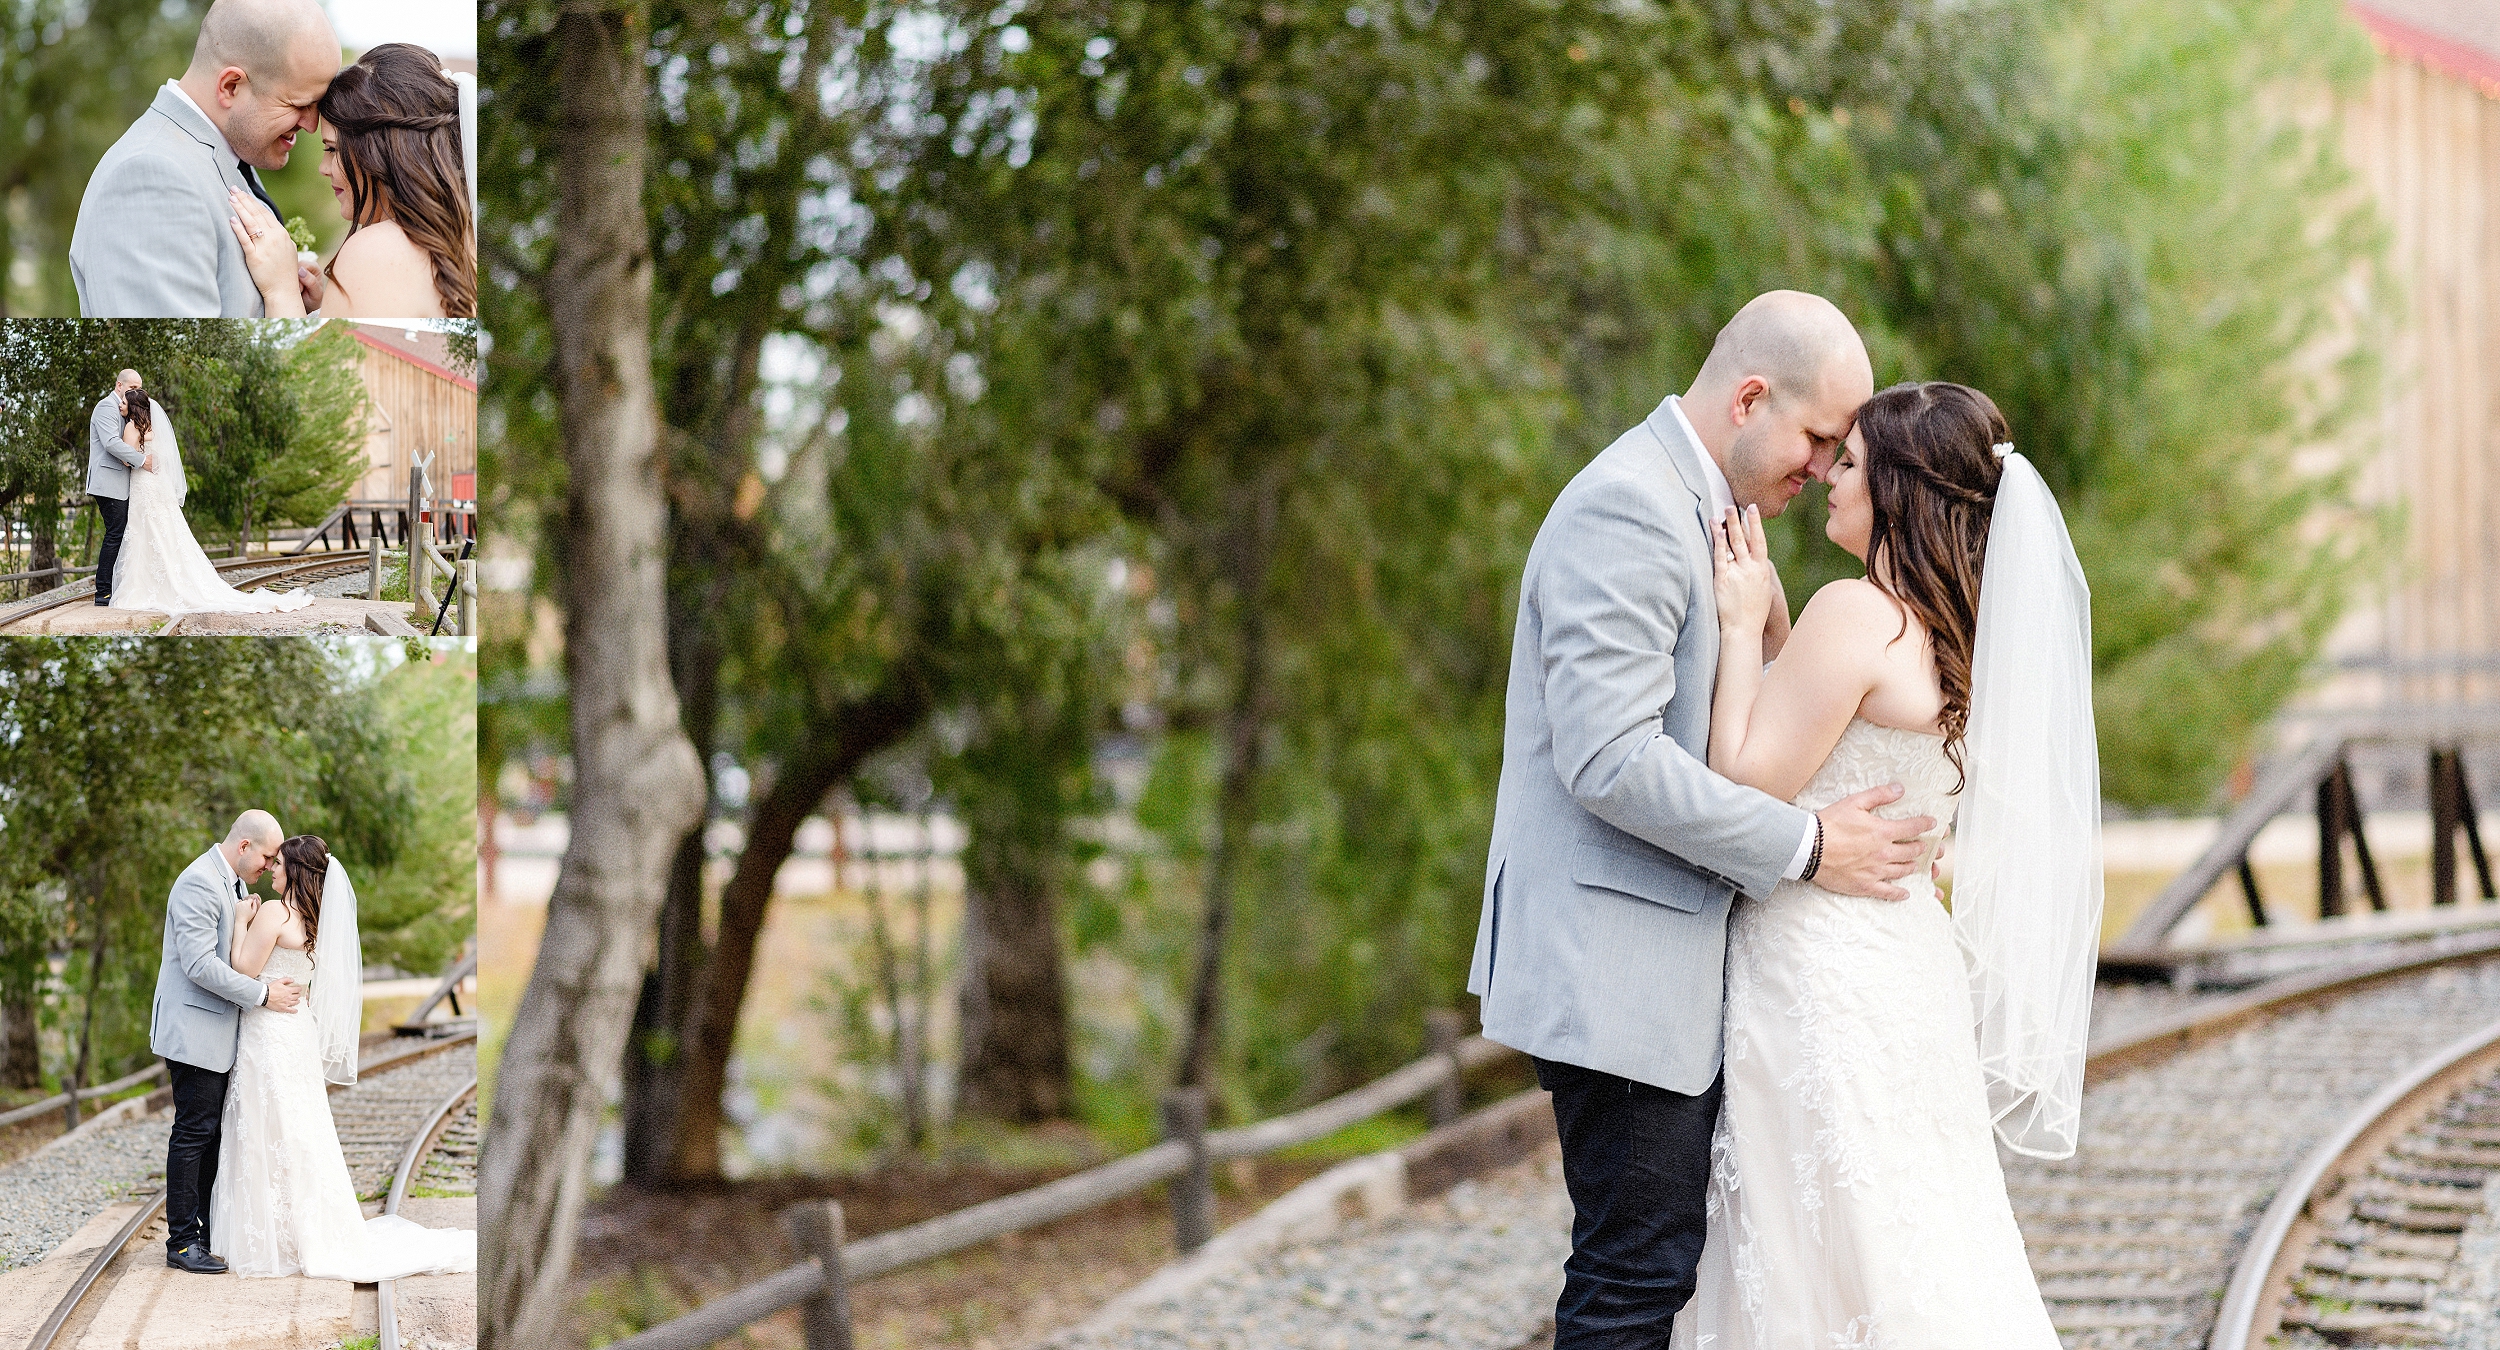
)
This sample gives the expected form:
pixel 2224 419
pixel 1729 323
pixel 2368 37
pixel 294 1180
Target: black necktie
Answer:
pixel 252 180
pixel 238 888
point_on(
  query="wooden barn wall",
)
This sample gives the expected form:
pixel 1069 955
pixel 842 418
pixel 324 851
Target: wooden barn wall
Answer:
pixel 421 411
pixel 2428 146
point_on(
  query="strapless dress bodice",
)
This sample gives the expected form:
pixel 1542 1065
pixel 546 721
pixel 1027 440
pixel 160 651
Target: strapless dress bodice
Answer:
pixel 1870 755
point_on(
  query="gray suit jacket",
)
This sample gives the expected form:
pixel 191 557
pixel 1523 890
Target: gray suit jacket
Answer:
pixel 109 461
pixel 152 239
pixel 1616 851
pixel 200 998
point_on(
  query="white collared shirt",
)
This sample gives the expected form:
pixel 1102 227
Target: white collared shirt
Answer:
pixel 1722 501
pixel 1722 497
pixel 185 96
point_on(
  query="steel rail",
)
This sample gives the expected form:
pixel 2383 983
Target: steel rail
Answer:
pixel 2251 1312
pixel 419 1148
pixel 110 1251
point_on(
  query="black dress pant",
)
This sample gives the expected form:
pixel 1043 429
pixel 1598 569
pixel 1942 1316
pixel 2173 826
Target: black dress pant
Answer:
pixel 116 516
pixel 1636 1160
pixel 191 1154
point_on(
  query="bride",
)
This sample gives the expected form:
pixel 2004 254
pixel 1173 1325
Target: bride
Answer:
pixel 161 566
pixel 1855 1199
pixel 391 148
pixel 283 1203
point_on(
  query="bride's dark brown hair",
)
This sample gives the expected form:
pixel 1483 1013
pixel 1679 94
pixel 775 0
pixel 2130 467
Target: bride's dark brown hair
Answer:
pixel 1931 474
pixel 398 121
pixel 307 863
pixel 135 407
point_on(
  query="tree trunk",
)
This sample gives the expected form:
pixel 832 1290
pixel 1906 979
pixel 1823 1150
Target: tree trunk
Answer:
pixel 21 1059
pixel 828 752
pixel 1013 1005
pixel 662 1015
pixel 1245 732
pixel 45 525
pixel 637 784
pixel 86 1033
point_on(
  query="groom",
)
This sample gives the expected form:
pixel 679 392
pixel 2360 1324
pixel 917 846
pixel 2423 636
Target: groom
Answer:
pixel 1616 851
pixel 109 462
pixel 198 1018
pixel 152 239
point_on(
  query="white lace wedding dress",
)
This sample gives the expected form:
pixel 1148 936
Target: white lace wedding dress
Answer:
pixel 1855 1198
pixel 161 567
pixel 283 1203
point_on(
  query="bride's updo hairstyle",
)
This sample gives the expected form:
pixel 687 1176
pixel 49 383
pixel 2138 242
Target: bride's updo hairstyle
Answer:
pixel 1931 475
pixel 307 863
pixel 135 407
pixel 398 121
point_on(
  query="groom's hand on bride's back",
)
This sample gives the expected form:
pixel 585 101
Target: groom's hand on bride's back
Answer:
pixel 283 996
pixel 1864 853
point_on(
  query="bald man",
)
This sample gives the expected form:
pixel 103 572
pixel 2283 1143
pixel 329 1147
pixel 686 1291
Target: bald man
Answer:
pixel 152 239
pixel 1616 851
pixel 110 463
pixel 198 1018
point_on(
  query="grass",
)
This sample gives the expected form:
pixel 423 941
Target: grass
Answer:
pixel 1361 1138
pixel 628 1306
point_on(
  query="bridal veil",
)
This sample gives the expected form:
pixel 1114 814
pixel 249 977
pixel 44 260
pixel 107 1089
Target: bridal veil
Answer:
pixel 2027 848
pixel 168 451
pixel 337 998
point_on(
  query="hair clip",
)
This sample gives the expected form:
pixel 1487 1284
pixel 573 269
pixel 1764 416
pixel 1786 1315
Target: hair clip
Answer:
pixel 2002 448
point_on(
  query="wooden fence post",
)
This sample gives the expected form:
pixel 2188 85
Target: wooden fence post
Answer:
pixel 1443 1029
pixel 416 541
pixel 373 584
pixel 1193 1191
pixel 815 1228
pixel 468 597
pixel 2444 827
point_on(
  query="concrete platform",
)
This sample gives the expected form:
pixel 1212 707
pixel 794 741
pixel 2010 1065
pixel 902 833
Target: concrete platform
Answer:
pixel 27 1294
pixel 151 1306
pixel 324 615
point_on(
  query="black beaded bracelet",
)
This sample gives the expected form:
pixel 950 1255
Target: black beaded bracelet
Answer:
pixel 1814 860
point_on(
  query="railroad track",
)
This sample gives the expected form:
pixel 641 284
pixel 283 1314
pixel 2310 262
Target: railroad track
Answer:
pixel 429 1162
pixel 2196 1122
pixel 2358 1248
pixel 405 1108
pixel 239 573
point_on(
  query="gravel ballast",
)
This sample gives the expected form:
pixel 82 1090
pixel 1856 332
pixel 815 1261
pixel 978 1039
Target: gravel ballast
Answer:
pixel 47 1198
pixel 1476 1269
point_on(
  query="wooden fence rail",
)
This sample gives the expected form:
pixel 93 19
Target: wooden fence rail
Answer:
pixel 828 1320
pixel 58 1100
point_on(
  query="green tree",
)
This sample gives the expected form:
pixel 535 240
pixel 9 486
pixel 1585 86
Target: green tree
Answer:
pixel 272 423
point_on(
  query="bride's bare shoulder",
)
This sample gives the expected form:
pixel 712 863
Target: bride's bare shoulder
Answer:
pixel 1854 606
pixel 380 273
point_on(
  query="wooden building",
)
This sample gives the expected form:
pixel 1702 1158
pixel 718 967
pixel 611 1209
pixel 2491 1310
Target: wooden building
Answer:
pixel 2425 139
pixel 421 406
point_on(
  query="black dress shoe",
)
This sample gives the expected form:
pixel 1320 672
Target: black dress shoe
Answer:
pixel 104 602
pixel 195 1258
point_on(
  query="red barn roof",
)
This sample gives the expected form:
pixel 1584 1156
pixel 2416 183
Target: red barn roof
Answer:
pixel 2455 37
pixel 420 347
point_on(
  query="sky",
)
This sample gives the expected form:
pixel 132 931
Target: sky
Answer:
pixel 448 28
